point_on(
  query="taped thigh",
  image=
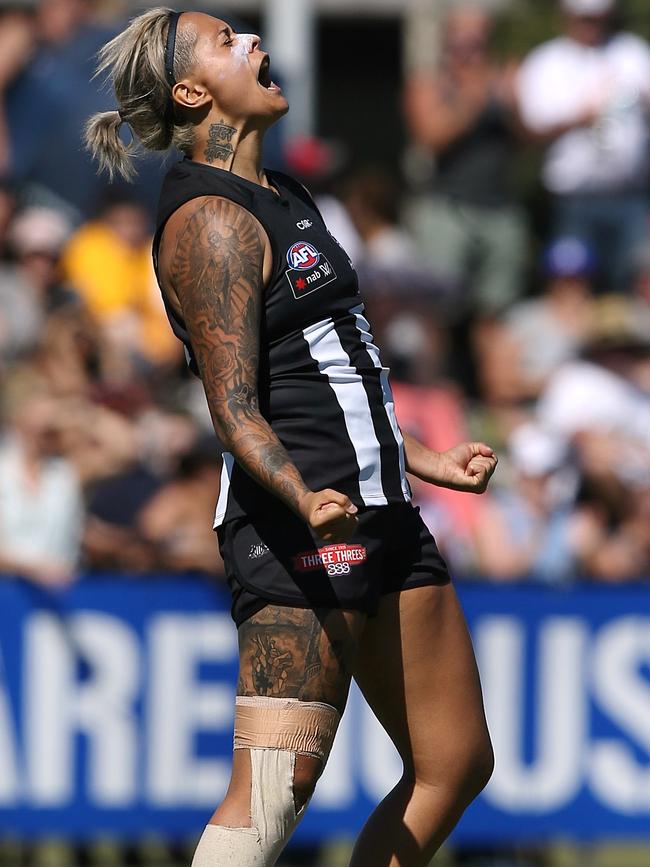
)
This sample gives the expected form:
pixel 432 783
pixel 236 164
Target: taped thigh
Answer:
pixel 304 727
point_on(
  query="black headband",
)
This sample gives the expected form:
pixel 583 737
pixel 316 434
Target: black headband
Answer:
pixel 170 47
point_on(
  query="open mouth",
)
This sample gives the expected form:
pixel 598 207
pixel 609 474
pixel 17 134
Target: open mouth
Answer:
pixel 264 75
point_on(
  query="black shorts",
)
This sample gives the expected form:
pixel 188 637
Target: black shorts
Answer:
pixel 277 559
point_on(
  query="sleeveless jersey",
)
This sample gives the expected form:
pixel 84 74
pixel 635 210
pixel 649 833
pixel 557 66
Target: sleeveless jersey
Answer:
pixel 322 386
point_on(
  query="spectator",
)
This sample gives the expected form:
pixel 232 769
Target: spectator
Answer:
pixel 467 225
pixel 499 360
pixel 99 442
pixel 614 499
pixel 108 262
pixel 640 301
pixel 371 197
pixel 21 318
pixel 36 237
pixel 40 499
pixel 47 62
pixel 111 398
pixel 598 405
pixel 177 521
pixel 550 330
pixel 68 353
pixel 528 529
pixel 318 164
pixel 112 540
pixel 599 392
pixel 29 286
pixel 586 94
pixel 17 47
pixel 154 508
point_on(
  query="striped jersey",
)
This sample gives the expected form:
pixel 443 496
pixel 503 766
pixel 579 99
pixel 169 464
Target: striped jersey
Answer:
pixel 322 386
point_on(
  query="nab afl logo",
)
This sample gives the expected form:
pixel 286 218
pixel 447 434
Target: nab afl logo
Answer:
pixel 302 256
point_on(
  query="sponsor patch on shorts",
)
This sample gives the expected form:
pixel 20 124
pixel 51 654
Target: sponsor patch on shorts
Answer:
pixel 334 559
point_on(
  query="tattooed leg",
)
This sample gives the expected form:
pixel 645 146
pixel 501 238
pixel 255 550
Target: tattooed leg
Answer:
pixel 291 653
pixel 298 653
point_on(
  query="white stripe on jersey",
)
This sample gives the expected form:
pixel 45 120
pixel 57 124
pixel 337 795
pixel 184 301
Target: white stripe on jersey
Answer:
pixel 326 349
pixel 222 502
pixel 363 327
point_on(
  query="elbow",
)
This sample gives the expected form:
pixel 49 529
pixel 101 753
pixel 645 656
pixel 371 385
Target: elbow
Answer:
pixel 234 425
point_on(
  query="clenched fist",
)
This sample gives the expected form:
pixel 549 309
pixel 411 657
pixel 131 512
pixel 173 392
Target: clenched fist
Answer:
pixel 331 515
pixel 466 467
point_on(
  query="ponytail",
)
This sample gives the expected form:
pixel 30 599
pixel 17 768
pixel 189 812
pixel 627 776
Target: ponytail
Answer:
pixel 102 138
pixel 134 64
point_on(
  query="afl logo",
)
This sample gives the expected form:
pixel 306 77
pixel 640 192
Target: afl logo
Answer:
pixel 302 256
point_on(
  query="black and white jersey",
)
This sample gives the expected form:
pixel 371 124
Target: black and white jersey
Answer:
pixel 322 386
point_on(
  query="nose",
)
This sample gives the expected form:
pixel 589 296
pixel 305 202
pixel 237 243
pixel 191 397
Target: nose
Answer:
pixel 251 41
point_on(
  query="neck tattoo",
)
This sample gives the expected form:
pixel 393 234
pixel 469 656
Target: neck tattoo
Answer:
pixel 219 145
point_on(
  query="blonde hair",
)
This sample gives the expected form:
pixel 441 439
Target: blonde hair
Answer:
pixel 134 64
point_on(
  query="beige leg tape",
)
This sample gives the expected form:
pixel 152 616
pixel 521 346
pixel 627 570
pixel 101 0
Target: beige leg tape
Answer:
pixel 274 730
pixel 305 727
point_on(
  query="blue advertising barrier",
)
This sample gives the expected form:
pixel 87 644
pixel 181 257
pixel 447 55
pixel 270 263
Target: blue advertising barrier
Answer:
pixel 116 712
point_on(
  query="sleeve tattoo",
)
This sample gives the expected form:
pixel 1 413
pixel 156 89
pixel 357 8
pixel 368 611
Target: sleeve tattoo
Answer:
pixel 217 274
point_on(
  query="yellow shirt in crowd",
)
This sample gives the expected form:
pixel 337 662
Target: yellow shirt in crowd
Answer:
pixel 115 279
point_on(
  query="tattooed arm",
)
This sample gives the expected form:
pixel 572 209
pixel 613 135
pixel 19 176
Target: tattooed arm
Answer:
pixel 216 267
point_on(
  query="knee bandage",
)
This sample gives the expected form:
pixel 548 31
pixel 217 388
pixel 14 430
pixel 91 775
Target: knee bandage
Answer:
pixel 275 730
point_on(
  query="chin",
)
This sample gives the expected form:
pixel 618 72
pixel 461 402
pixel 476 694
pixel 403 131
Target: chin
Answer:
pixel 277 111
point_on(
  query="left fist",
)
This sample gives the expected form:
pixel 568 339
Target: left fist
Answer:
pixel 467 467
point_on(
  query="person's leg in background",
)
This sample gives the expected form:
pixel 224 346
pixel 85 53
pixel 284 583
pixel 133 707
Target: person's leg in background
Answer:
pixel 295 670
pixel 502 251
pixel 615 225
pixel 573 215
pixel 442 237
pixel 625 228
pixel 416 668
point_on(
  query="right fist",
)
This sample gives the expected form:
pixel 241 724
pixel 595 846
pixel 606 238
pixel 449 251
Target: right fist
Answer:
pixel 330 515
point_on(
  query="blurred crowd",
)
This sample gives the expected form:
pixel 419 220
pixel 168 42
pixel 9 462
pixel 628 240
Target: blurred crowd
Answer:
pixel 527 326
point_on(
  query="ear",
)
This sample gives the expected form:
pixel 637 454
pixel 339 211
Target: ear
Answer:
pixel 189 94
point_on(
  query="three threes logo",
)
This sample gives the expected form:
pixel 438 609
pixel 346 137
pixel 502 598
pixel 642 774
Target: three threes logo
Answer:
pixel 308 269
pixel 333 559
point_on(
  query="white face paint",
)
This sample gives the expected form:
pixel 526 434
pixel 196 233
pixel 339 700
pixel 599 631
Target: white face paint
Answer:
pixel 242 46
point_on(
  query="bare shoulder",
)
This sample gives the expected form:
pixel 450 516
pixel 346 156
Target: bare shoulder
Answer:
pixel 209 242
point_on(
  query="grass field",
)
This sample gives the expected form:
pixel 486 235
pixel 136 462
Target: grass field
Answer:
pixel 153 852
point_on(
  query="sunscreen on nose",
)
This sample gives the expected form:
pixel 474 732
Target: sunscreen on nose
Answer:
pixel 243 45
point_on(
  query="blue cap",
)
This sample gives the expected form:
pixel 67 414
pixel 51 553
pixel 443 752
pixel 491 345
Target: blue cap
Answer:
pixel 568 257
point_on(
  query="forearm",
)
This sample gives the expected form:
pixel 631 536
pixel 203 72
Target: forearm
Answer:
pixel 465 467
pixel 548 134
pixel 257 449
pixel 421 461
